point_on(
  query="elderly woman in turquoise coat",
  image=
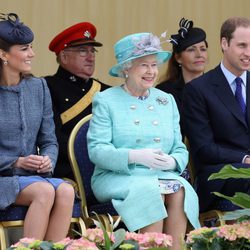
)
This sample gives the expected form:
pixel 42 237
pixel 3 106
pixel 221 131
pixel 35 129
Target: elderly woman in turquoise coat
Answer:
pixel 134 140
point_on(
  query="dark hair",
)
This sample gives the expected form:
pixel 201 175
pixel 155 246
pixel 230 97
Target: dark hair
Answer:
pixel 174 71
pixel 5 47
pixel 230 25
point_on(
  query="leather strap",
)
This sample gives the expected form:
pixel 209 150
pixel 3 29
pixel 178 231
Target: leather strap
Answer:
pixel 84 102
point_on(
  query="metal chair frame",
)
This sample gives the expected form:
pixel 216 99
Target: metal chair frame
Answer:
pixel 19 223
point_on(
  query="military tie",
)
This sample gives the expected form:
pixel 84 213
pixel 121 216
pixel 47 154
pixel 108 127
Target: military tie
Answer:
pixel 238 94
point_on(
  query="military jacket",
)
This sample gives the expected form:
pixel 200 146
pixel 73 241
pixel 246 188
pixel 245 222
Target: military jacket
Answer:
pixel 66 90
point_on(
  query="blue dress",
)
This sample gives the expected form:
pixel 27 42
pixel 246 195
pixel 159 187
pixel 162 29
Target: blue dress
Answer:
pixel 122 122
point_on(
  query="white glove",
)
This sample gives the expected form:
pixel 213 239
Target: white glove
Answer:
pixel 168 163
pixel 152 158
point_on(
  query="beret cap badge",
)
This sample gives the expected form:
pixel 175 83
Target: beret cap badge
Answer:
pixel 87 34
pixel 13 31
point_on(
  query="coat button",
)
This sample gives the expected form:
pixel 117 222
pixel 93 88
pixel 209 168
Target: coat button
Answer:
pixel 136 122
pixel 150 107
pixel 157 139
pixel 155 122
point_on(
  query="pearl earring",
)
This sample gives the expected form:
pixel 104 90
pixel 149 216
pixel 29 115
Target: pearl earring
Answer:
pixel 180 65
pixel 126 76
pixel 5 62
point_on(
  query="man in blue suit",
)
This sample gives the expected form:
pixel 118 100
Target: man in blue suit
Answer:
pixel 216 124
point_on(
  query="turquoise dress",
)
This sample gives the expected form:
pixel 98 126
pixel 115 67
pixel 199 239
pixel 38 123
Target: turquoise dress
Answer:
pixel 120 123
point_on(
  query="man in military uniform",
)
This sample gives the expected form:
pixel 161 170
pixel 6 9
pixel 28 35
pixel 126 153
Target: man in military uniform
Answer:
pixel 72 87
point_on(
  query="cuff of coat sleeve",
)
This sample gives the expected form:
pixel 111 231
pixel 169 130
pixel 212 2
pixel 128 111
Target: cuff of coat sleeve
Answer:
pixel 244 158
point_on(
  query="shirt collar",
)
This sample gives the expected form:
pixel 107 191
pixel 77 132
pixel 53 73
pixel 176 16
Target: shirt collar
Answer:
pixel 231 77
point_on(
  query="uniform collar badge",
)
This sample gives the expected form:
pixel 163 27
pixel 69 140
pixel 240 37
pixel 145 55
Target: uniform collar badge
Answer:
pixel 72 78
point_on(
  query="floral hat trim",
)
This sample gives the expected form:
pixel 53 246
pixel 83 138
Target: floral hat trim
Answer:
pixel 145 44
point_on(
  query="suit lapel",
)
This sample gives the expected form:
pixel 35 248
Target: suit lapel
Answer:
pixel 224 92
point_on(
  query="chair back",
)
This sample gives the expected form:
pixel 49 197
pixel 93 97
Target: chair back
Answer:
pixel 83 170
pixel 81 165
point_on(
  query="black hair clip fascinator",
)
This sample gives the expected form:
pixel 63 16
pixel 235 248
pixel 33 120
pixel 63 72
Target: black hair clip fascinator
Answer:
pixel 187 36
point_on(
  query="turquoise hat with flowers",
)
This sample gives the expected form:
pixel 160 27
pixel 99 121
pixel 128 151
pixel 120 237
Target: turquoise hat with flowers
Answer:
pixel 137 45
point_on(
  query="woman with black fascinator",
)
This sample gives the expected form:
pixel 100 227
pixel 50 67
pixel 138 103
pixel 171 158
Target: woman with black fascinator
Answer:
pixel 28 145
pixel 188 60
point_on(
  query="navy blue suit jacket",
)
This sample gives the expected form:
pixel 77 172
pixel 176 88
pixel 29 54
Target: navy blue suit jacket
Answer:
pixel 217 130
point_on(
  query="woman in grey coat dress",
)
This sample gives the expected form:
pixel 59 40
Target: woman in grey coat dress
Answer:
pixel 28 146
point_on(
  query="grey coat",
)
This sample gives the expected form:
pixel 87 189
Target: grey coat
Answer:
pixel 26 127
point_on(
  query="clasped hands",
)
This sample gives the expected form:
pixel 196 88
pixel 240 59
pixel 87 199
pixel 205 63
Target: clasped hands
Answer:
pixel 38 163
pixel 152 158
